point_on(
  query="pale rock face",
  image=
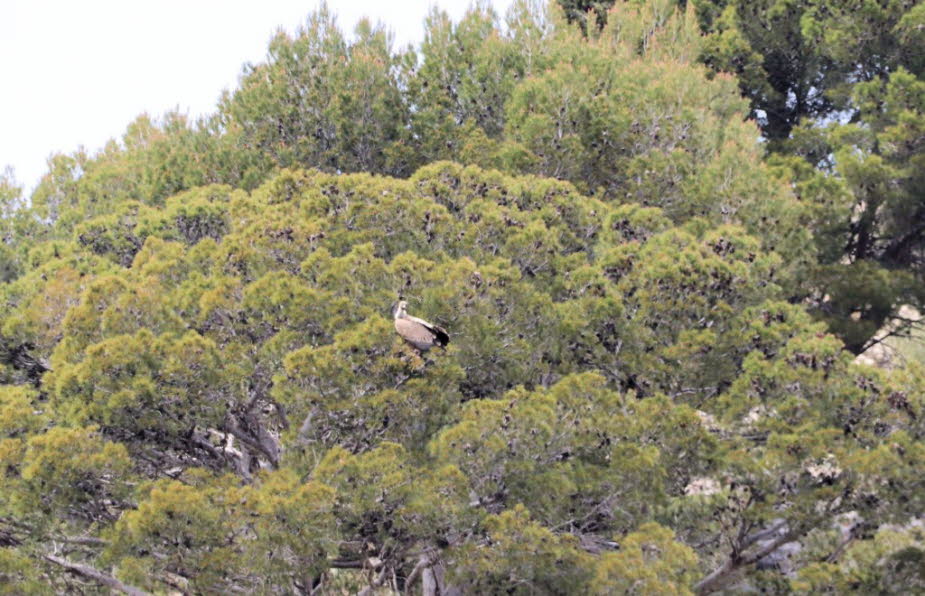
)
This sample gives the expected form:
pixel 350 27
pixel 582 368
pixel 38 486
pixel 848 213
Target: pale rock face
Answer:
pixel 883 354
pixel 827 469
pixel 756 414
pixel 846 522
pixel 702 487
pixel 708 420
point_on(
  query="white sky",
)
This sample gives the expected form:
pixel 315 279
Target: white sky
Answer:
pixel 77 72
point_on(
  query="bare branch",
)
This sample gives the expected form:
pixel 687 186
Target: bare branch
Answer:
pixel 264 443
pixel 348 564
pixel 96 575
pixel 718 578
pixel 841 549
pixel 766 533
pixel 423 562
pixel 84 540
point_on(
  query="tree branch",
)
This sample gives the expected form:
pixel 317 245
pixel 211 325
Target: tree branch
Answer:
pixel 761 535
pixel 262 443
pixel 83 540
pixel 96 575
pixel 718 578
pixel 844 544
pixel 19 358
pixel 351 564
pixel 897 330
pixel 425 561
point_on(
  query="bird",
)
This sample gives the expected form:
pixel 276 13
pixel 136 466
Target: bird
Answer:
pixel 418 332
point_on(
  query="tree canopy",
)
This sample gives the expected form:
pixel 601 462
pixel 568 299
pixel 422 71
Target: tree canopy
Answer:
pixel 654 304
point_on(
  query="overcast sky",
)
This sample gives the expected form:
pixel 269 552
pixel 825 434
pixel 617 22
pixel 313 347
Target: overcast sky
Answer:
pixel 76 72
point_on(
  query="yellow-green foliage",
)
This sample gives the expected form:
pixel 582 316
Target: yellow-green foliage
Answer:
pixel 72 472
pixel 582 333
pixel 650 561
pixel 520 556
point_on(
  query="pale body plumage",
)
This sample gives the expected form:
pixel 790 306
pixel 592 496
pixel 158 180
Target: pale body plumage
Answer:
pixel 418 332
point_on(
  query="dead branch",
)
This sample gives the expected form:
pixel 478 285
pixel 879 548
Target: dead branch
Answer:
pixel 96 575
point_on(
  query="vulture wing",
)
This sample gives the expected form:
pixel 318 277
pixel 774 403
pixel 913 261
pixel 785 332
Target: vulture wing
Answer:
pixel 421 334
pixel 414 333
pixel 441 337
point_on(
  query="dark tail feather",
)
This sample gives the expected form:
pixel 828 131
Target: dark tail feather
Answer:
pixel 441 337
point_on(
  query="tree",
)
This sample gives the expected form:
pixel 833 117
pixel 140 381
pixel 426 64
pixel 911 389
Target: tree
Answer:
pixel 799 60
pixel 581 11
pixel 838 84
pixel 11 205
pixel 324 102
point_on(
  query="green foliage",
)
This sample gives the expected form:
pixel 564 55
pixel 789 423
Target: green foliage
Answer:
pixel 11 220
pixel 386 502
pixel 521 556
pixel 18 574
pixel 67 472
pixel 585 12
pixel 210 534
pixel 141 383
pixel 574 453
pixel 187 526
pixel 326 102
pixel 890 562
pixel 649 561
pixel 153 161
pixel 799 59
pixel 260 342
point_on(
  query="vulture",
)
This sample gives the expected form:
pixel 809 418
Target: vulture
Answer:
pixel 418 332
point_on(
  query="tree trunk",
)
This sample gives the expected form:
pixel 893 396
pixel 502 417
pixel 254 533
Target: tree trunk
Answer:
pixel 433 582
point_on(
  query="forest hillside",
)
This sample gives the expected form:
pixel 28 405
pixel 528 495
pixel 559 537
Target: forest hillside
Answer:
pixel 657 232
